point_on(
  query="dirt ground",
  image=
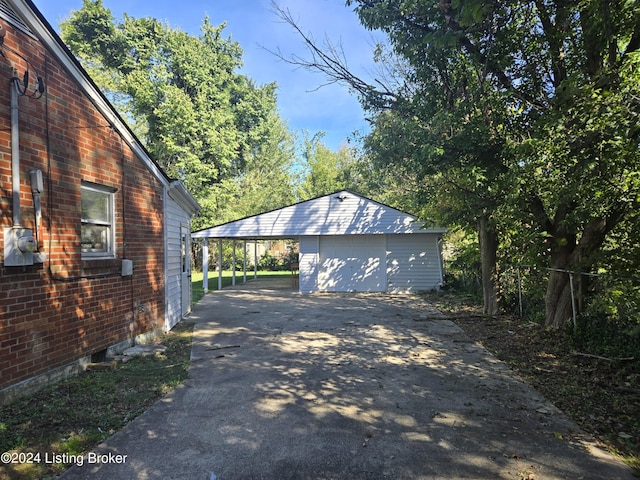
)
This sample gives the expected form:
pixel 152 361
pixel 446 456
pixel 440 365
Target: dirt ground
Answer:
pixel 601 395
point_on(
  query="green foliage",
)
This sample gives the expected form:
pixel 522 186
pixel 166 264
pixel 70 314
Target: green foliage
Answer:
pixel 523 113
pixel 462 262
pixel 205 123
pixel 610 326
pixel 270 263
pixel 324 171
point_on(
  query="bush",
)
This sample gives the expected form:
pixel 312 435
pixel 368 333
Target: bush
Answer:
pixel 607 336
pixel 270 263
pixel 610 324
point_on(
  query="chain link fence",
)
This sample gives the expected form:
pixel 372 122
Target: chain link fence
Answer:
pixel 605 309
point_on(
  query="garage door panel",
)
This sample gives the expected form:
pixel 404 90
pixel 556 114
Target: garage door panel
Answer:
pixel 353 263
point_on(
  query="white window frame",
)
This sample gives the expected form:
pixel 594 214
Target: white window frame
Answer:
pixel 109 250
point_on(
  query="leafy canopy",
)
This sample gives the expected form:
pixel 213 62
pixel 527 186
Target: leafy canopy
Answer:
pixel 525 111
pixel 204 122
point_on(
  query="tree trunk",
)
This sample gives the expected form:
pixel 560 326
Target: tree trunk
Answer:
pixel 558 307
pixel 488 240
pixel 569 254
pixel 557 300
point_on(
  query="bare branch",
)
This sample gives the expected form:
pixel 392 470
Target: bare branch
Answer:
pixel 329 59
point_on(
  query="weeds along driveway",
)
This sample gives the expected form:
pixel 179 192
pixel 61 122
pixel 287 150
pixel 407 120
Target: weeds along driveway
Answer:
pixel 367 386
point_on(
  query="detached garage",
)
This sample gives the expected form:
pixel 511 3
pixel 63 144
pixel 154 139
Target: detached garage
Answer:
pixel 348 243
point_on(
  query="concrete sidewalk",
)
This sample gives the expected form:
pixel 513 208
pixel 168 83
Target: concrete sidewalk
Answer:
pixel 367 386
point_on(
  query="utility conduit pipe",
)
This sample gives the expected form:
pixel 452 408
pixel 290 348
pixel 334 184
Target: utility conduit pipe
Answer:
pixel 15 151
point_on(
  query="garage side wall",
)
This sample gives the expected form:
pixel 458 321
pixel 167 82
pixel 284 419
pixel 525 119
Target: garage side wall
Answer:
pixel 176 217
pixel 309 261
pixel 413 263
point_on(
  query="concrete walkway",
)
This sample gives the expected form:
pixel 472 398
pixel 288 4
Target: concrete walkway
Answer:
pixel 286 386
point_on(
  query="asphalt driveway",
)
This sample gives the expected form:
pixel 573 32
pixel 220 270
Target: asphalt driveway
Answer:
pixel 366 386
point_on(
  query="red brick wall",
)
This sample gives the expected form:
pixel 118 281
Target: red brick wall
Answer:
pixel 54 313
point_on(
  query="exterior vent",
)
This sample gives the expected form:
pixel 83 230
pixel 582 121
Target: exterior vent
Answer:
pixel 9 15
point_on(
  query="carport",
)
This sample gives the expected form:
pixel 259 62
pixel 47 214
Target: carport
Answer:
pixel 347 243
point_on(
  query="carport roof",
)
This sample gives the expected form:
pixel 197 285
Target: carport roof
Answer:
pixel 339 213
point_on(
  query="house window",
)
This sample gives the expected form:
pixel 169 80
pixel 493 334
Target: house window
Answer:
pixel 97 232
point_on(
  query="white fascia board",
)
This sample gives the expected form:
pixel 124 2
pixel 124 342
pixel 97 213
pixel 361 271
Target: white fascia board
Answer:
pixel 182 197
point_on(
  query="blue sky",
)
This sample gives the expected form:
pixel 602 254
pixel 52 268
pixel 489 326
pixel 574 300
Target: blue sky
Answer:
pixel 252 23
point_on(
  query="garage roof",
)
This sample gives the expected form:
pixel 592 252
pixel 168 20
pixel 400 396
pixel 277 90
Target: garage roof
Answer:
pixel 339 213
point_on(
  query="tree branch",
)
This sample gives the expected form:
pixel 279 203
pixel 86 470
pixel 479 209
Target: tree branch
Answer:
pixel 332 63
pixel 536 207
pixel 552 32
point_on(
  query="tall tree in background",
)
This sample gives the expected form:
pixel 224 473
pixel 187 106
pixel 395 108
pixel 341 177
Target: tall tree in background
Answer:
pixel 437 125
pixel 444 134
pixel 325 171
pixel 266 182
pixel 566 75
pixel 203 122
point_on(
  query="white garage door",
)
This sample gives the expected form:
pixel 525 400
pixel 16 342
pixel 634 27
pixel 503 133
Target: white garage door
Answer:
pixel 352 263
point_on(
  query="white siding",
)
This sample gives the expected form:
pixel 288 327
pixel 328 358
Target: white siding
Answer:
pixel 176 217
pixel 352 263
pixel 413 263
pixel 348 243
pixel 343 213
pixel 308 261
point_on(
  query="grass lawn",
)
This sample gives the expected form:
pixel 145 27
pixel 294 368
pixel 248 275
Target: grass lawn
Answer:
pixel 227 279
pixel 73 416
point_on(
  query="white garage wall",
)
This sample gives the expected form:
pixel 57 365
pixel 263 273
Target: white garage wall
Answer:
pixel 413 263
pixel 175 217
pixel 343 243
pixel 370 263
pixel 308 263
pixel 352 263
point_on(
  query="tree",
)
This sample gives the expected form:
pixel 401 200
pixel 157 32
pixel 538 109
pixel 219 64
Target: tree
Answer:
pixel 567 72
pixel 325 171
pixel 546 91
pixel 436 123
pixel 203 122
pixel 266 182
pixel 456 172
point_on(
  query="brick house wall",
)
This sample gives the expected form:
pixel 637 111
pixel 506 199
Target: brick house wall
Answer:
pixel 69 307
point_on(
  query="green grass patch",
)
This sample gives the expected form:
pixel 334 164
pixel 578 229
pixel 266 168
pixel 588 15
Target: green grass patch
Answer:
pixel 74 415
pixel 197 291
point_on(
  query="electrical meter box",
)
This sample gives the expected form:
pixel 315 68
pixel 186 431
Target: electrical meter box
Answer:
pixel 19 245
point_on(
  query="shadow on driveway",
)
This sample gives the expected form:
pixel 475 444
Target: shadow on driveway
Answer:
pixel 363 386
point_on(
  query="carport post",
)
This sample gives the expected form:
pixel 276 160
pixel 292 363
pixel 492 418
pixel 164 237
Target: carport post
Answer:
pixel 255 259
pixel 219 264
pixel 205 265
pixel 233 266
pixel 244 260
